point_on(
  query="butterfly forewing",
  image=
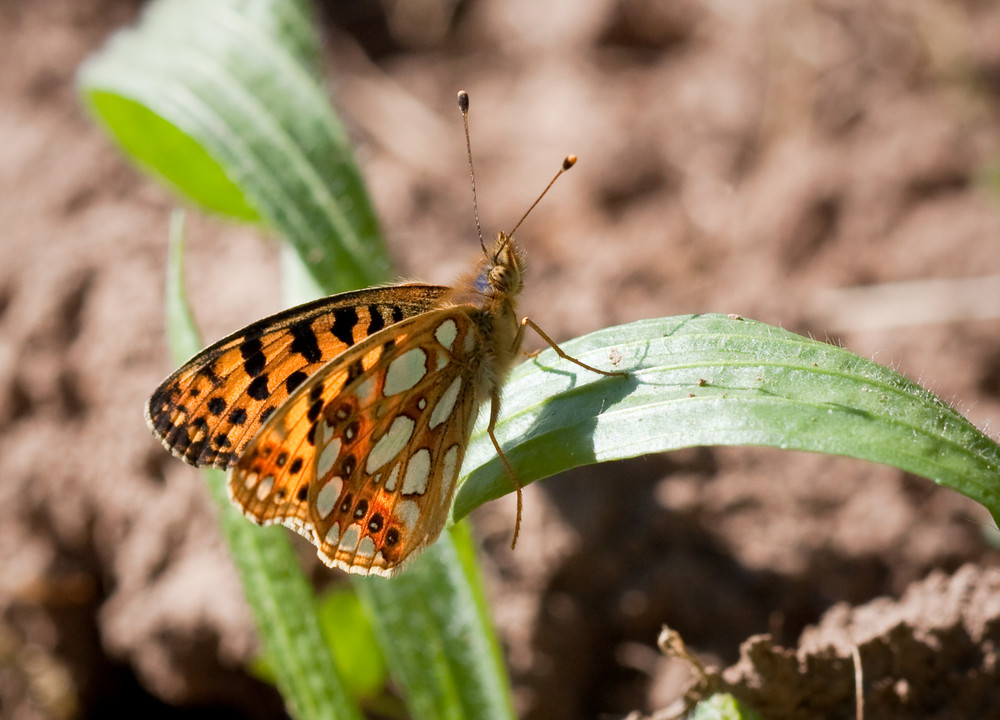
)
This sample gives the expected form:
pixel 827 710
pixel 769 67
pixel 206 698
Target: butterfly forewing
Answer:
pixel 362 459
pixel 207 411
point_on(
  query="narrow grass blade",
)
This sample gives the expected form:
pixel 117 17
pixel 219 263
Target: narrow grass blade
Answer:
pixel 428 621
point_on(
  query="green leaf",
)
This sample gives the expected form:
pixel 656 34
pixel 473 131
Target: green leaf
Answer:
pixel 722 706
pixel 717 380
pixel 350 635
pixel 223 101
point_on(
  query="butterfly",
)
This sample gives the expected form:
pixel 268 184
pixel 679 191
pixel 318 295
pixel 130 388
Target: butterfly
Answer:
pixel 346 419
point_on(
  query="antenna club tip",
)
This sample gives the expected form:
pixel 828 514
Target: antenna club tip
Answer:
pixel 463 101
pixel 569 162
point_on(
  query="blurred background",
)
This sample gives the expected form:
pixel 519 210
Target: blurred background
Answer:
pixel 829 166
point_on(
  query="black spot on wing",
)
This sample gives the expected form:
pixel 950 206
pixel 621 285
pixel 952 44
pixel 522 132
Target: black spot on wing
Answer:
pixel 258 388
pixel 162 424
pixel 377 321
pixel 194 451
pixel 304 341
pixel 346 504
pixel 208 372
pixel 344 321
pixel 252 352
pixel 354 371
pixel 294 380
pixel 216 405
pixel 314 410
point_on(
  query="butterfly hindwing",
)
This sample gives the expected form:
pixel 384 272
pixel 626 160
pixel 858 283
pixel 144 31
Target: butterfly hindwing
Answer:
pixel 207 411
pixel 363 458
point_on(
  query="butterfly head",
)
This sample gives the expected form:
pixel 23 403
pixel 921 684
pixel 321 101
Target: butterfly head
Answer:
pixel 502 272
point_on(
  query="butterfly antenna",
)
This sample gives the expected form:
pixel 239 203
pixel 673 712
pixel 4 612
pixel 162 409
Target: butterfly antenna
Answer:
pixel 463 105
pixel 568 162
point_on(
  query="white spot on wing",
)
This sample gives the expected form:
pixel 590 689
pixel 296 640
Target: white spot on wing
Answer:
pixel 327 497
pixel 390 484
pixel 446 403
pixel 264 489
pixel 366 548
pixel 333 534
pixel 446 333
pixel 408 512
pixel 418 470
pixel 349 541
pixel 389 445
pixel 323 431
pixel 449 468
pixel 405 371
pixel 328 457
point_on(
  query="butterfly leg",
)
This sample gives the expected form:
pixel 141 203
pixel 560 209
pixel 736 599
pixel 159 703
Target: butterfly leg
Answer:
pixel 528 322
pixel 494 413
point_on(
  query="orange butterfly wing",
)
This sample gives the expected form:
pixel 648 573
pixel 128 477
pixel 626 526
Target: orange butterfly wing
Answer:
pixel 363 458
pixel 207 411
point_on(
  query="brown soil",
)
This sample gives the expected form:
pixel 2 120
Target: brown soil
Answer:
pixel 735 157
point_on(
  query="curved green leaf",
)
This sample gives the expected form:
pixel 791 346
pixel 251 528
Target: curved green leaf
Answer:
pixel 222 101
pixel 719 380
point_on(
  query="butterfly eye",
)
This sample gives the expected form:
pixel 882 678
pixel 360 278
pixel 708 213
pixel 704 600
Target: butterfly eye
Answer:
pixel 499 276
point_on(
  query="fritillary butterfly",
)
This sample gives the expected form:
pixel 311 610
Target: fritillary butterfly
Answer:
pixel 346 419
